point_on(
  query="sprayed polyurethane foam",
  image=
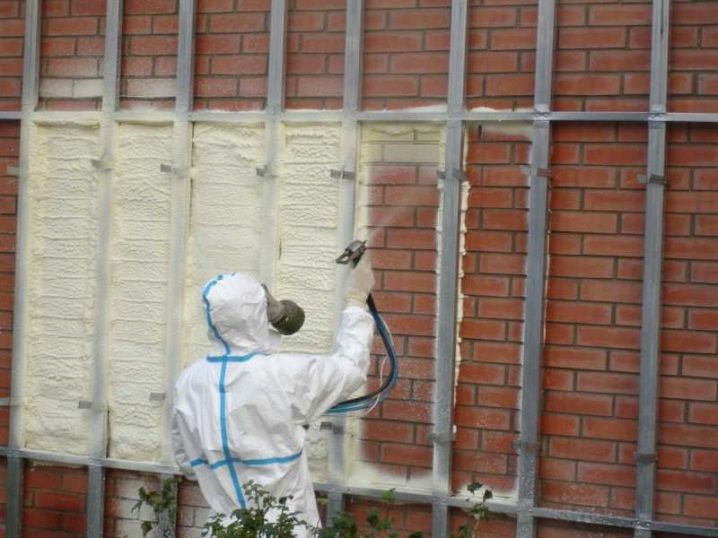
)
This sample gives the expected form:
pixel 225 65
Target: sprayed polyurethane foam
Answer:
pixel 226 217
pixel 62 280
pixel 141 208
pixel 307 219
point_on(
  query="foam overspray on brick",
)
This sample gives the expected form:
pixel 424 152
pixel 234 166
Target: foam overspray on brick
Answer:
pixel 138 307
pixel 61 286
pixel 417 147
pixel 226 216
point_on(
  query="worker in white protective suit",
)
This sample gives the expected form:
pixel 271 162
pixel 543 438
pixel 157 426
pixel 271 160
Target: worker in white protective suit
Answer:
pixel 239 412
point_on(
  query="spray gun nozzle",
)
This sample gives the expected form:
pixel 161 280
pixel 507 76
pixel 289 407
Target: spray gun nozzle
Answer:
pixel 353 253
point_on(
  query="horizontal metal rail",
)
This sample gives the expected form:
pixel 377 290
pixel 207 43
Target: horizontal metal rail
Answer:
pixel 507 506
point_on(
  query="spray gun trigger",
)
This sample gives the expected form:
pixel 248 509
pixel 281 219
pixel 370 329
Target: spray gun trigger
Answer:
pixel 353 253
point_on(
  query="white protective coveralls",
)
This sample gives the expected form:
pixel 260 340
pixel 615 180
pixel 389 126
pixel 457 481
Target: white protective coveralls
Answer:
pixel 238 413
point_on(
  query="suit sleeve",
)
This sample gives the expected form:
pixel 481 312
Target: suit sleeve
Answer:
pixel 178 446
pixel 314 383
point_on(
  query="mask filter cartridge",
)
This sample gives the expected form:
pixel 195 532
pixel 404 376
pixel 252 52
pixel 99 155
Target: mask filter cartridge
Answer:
pixel 286 316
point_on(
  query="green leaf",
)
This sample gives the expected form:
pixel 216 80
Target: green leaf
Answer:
pixel 389 496
pixel 475 486
pixel 488 495
pixel 146 527
pixel 416 535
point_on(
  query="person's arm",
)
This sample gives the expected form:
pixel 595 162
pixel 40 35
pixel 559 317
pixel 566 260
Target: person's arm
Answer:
pixel 178 447
pixel 314 383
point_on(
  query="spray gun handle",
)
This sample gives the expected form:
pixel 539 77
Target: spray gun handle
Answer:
pixel 352 253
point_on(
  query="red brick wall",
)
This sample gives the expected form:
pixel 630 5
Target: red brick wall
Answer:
pixel 501 58
pixel 12 28
pixel 591 356
pixel 406 53
pixel 54 501
pixel 9 147
pixel 590 375
pixel 688 434
pixel 232 51
pixel 487 393
pixel 315 54
pixel 604 55
pixel 693 60
pixel 149 54
pixel 72 47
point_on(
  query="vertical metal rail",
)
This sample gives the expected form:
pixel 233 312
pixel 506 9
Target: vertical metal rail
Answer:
pixel 347 201
pixel 448 285
pixel 98 442
pixel 31 75
pixel 180 187
pixel 535 273
pixel 652 267
pixel 275 104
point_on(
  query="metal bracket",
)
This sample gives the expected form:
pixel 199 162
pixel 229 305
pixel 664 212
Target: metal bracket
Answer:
pixel 102 164
pixel 157 396
pixel 342 174
pixel 90 405
pixel 646 458
pixel 455 173
pixel 263 171
pixel 523 446
pixel 653 178
pixel 540 172
pixel 335 428
pixel 442 438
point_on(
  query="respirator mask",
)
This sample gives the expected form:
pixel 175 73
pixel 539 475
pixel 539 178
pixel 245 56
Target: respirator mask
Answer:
pixel 286 316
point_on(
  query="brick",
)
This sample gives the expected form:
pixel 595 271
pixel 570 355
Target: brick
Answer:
pixel 237 22
pixel 513 39
pixel 611 291
pixel 492 17
pixel 494 419
pixel 686 482
pixel 582 404
pixel 613 246
pixel 389 86
pixel 153 45
pixel 574 494
pixel 145 7
pixel 703 413
pixel 40 519
pixel 557 469
pixel 72 26
pixel 689 295
pixel 684 435
pixel 608 428
pixel 558 424
pixel 591 38
pixel 514 84
pixel 616 61
pixel 701 506
pixel 59 501
pixel 393 42
pixel 601 473
pixel 698 366
pixel 689 341
pixel 704 460
pixel 619 15
pixel 419 19
pixel 406 454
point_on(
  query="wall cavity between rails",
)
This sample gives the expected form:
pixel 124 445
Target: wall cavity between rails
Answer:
pixel 397 203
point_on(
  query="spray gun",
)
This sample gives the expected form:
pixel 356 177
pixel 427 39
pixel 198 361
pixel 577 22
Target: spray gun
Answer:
pixel 352 254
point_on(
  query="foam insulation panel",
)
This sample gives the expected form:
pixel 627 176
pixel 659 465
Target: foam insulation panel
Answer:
pixel 307 221
pixel 226 217
pixel 62 237
pixel 138 306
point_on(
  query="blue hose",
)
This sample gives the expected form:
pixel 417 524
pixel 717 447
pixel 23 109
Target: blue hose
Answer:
pixel 368 401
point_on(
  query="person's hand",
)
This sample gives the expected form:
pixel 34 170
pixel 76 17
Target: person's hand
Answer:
pixel 360 283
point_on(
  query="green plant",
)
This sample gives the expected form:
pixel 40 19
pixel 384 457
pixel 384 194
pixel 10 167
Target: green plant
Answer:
pixel 266 516
pixel 271 517
pixel 163 504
